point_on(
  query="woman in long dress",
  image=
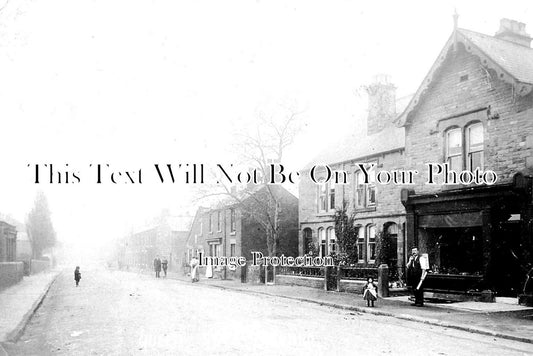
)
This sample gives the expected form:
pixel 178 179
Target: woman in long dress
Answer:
pixel 209 268
pixel 194 270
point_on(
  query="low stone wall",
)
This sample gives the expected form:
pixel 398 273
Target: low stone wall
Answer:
pixel 313 282
pixel 38 266
pixel 10 273
pixel 351 285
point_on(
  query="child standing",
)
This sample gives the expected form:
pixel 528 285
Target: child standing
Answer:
pixel 370 292
pixel 77 275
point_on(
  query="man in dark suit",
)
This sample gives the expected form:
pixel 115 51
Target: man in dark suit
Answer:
pixel 415 277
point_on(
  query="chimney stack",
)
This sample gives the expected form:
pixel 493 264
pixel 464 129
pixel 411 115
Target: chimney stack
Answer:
pixel 513 31
pixel 381 103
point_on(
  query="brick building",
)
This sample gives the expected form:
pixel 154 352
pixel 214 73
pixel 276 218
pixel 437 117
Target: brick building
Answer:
pixel 474 110
pixel 377 208
pixel 155 238
pixel 229 228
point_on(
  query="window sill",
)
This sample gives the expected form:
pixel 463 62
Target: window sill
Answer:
pixel 233 233
pixel 367 209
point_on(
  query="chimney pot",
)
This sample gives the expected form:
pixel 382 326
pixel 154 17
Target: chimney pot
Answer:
pixel 514 31
pixel 381 103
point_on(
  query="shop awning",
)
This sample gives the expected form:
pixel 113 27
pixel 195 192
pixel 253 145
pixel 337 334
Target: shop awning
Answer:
pixel 450 220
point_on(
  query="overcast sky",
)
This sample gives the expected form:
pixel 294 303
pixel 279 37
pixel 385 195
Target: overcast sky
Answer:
pixel 133 83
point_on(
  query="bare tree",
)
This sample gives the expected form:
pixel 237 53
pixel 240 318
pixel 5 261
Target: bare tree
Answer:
pixel 260 148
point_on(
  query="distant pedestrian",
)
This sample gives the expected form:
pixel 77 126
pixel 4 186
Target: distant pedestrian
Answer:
pixel 194 270
pixel 209 268
pixel 370 292
pixel 77 275
pixel 157 266
pixel 164 264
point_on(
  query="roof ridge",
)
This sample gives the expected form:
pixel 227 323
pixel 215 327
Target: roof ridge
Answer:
pixel 495 38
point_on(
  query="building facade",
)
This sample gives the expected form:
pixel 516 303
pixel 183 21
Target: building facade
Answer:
pixel 231 229
pixel 8 242
pixel 473 111
pixel 377 208
pixel 157 238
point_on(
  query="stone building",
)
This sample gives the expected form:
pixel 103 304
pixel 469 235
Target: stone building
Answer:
pixel 229 229
pixel 377 208
pixel 8 242
pixel 474 111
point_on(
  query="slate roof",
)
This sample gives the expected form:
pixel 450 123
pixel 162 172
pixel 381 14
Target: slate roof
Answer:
pixel 358 146
pixel 517 60
pixel 512 62
pixel 354 147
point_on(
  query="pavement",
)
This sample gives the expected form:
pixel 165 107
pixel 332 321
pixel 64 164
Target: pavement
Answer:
pixel 504 319
pixel 19 302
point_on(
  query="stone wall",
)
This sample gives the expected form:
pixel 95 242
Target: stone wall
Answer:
pixel 351 286
pixel 461 87
pixel 10 273
pixel 312 282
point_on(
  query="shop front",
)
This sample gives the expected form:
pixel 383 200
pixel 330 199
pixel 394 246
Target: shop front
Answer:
pixel 474 237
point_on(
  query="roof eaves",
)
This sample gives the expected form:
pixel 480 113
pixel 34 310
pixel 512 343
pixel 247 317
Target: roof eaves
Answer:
pixel 521 88
pixel 361 159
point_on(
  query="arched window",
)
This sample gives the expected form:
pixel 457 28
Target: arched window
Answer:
pixel 391 254
pixel 371 243
pixel 361 245
pixel 392 230
pixel 307 239
pixel 332 245
pixel 454 149
pixel 470 156
pixel 322 237
pixel 474 146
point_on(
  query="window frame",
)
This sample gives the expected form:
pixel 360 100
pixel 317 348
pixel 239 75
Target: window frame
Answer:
pixel 468 146
pixel 307 239
pixel 361 244
pixel 233 218
pixel 363 191
pixel 371 186
pixel 322 238
pixel 322 197
pixel 464 126
pixel 331 240
pixel 331 196
pixel 447 156
pixel 371 242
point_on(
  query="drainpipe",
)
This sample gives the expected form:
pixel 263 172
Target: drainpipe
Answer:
pixel 224 243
